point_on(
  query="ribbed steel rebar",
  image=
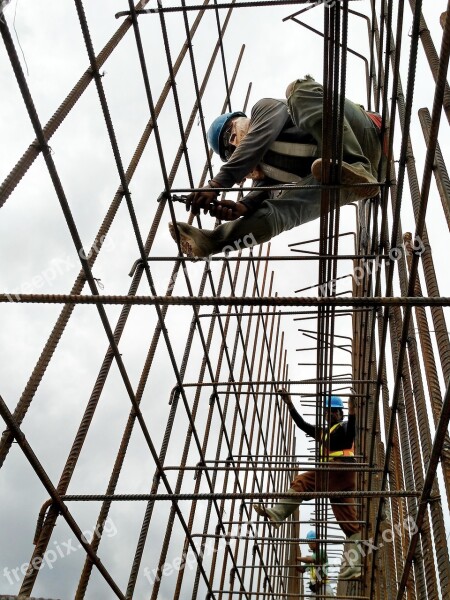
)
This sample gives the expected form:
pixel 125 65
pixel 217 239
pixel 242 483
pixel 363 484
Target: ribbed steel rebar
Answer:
pixel 243 438
pixel 52 342
pixel 433 301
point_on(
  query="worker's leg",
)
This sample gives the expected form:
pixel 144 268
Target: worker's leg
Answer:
pixel 351 567
pixel 361 148
pixel 291 208
pixel 305 482
pixel 345 512
pixel 230 236
pixel 360 142
pixel 343 507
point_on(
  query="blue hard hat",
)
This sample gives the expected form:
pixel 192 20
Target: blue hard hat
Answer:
pixel 218 126
pixel 334 402
pixel 311 535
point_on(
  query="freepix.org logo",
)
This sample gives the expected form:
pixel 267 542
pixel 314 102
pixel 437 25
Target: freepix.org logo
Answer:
pixel 58 266
pixel 59 551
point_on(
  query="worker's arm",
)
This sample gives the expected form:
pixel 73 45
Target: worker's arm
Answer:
pixel 308 560
pixel 351 423
pixel 296 417
pixel 267 120
pixel 253 200
pixel 228 210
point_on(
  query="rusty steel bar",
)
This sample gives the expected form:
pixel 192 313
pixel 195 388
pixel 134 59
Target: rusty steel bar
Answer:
pixel 19 436
pixel 272 468
pixel 29 580
pixel 52 342
pixel 249 4
pixel 439 170
pixel 94 399
pixel 432 57
pixel 224 301
pixel 294 595
pixel 427 488
pixel 396 475
pixel 256 416
pixel 427 257
pixel 420 220
pixel 260 426
pixel 230 496
pixel 221 352
pixel 434 387
pixel 264 258
pixel 33 151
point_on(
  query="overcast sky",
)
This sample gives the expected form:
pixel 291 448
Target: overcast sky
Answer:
pixel 37 254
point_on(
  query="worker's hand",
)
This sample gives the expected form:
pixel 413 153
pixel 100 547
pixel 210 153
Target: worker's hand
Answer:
pixel 300 568
pixel 205 198
pixel 285 396
pixel 228 210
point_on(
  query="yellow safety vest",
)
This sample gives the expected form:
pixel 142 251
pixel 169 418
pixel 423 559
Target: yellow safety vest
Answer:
pixel 336 453
pixel 313 571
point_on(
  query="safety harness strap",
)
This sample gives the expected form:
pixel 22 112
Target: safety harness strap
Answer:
pixel 279 175
pixel 293 149
pixel 336 453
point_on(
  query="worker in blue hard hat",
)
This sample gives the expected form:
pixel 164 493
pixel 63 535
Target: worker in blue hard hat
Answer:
pixel 336 446
pixel 280 143
pixel 316 564
pixel 224 132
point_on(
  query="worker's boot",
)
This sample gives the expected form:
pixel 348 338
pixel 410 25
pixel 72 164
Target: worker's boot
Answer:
pixel 281 511
pixel 351 174
pixel 352 562
pixel 193 242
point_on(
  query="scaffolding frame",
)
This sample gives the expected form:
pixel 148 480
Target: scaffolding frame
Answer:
pixel 396 480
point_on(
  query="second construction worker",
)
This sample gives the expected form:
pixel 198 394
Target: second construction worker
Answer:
pixel 336 446
pixel 317 565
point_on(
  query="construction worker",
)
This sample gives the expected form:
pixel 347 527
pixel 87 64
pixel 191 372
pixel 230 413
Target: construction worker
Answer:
pixel 281 143
pixel 336 447
pixel 317 565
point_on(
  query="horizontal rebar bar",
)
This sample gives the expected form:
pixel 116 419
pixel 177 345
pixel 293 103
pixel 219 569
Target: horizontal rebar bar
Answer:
pixel 250 4
pixel 285 539
pixel 238 496
pixel 291 595
pixel 224 300
pixel 56 497
pixel 270 468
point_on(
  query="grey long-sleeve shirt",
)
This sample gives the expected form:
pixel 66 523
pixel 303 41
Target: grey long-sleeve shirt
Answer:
pixel 269 118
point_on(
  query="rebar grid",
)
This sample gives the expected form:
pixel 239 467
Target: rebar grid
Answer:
pixel 398 449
